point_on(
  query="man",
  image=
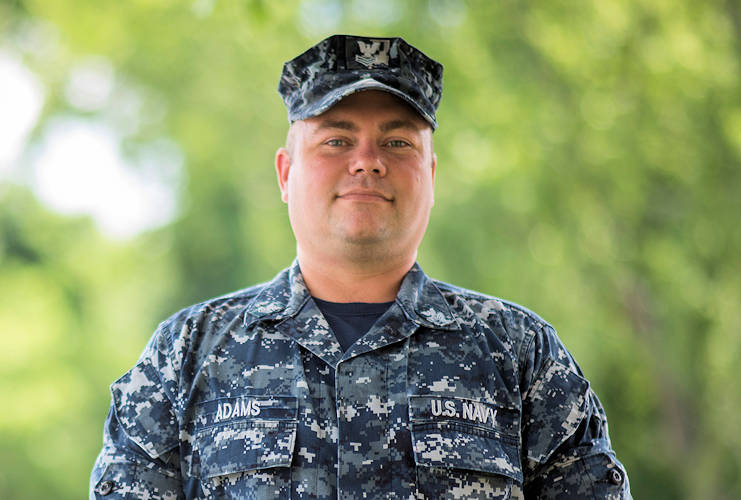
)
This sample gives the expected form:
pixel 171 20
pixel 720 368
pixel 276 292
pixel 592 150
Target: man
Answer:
pixel 352 374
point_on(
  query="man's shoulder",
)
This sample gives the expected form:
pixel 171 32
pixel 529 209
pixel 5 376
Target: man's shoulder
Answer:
pixel 213 313
pixel 514 318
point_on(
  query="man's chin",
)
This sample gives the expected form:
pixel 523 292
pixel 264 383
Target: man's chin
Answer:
pixel 365 243
pixel 369 240
pixel 364 233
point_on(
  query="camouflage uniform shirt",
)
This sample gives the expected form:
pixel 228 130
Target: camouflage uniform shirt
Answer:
pixel 451 394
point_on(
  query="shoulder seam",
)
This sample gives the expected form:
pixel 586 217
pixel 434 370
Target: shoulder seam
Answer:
pixel 245 294
pixel 474 295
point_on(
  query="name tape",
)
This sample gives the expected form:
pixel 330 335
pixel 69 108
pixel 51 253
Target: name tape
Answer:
pixel 240 408
pixel 466 410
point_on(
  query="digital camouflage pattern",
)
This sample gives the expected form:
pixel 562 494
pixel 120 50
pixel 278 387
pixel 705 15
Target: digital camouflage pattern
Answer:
pixel 341 65
pixel 451 394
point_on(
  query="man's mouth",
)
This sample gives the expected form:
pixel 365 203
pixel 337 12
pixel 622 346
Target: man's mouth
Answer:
pixel 364 195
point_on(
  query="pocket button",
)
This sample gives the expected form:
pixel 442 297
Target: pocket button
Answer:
pixel 105 488
pixel 616 477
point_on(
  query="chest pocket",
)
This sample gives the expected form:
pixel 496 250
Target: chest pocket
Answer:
pixel 464 449
pixel 244 446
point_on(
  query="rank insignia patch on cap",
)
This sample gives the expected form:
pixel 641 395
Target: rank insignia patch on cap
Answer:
pixel 367 53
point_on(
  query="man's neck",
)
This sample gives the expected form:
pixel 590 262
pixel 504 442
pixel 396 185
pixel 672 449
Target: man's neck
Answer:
pixel 342 281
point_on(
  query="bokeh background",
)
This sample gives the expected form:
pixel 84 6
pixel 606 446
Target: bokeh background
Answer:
pixel 589 168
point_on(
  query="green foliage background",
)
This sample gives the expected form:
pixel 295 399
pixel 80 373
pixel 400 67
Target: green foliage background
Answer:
pixel 589 168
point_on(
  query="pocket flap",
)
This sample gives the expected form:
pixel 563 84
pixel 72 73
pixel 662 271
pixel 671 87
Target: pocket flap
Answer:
pixel 465 434
pixel 144 411
pixel 245 433
pixel 243 446
pixel 555 405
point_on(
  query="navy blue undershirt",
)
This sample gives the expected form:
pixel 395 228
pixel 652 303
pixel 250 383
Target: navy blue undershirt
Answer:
pixel 351 320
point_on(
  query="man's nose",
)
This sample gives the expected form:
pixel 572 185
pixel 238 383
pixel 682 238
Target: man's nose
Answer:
pixel 367 159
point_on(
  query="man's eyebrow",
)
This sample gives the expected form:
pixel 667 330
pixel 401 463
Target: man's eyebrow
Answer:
pixel 397 124
pixel 385 127
pixel 341 124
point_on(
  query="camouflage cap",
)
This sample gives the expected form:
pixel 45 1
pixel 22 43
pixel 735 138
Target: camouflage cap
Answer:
pixel 341 65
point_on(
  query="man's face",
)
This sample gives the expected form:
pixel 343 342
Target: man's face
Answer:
pixel 358 179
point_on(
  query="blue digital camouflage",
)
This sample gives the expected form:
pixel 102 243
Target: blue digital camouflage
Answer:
pixel 451 394
pixel 341 65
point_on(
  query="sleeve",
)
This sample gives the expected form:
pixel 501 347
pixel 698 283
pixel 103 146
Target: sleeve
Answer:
pixel 566 447
pixel 140 455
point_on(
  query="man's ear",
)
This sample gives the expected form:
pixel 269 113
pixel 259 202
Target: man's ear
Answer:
pixel 282 167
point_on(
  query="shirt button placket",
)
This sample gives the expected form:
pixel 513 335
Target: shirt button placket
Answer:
pixel 341 376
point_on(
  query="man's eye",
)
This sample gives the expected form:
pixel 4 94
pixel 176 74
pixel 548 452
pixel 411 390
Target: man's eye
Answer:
pixel 335 142
pixel 398 143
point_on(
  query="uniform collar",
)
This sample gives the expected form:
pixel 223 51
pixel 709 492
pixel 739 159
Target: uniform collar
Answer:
pixel 422 301
pixel 280 298
pixel 419 298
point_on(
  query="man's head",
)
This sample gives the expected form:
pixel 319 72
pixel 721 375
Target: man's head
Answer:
pixel 358 168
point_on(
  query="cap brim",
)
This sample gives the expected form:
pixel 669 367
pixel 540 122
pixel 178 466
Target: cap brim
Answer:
pixel 336 95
